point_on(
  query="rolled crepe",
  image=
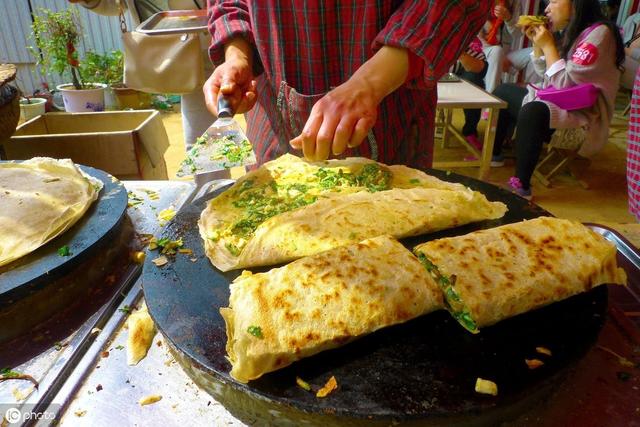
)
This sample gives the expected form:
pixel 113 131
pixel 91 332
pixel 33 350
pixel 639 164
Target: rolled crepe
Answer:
pixel 39 200
pixel 322 302
pixel 322 216
pixel 490 275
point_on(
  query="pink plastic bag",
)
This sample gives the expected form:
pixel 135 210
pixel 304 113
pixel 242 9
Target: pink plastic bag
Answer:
pixel 570 98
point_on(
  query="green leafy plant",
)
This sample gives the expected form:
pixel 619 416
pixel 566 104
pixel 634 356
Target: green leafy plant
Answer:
pixel 56 35
pixel 107 68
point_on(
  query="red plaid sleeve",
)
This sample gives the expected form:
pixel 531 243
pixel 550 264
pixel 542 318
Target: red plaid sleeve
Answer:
pixel 228 19
pixel 437 31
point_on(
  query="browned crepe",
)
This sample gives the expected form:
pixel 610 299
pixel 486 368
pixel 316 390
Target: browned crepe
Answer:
pixel 322 302
pixel 493 274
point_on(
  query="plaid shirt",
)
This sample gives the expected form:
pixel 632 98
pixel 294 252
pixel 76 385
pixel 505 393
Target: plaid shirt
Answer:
pixel 303 49
pixel 633 150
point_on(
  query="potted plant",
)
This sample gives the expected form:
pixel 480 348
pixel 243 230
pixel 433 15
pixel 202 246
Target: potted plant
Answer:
pixel 108 68
pixel 56 35
pixel 31 107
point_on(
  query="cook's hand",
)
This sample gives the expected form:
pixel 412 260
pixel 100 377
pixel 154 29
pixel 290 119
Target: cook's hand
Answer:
pixel 233 79
pixel 502 12
pixel 340 119
pixel 540 36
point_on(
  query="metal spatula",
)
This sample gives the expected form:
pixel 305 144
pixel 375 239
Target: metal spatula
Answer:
pixel 222 146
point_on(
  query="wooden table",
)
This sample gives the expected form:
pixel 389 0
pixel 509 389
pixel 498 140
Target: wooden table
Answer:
pixel 463 94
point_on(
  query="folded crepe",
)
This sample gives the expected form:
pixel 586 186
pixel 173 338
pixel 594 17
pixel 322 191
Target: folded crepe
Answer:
pixel 290 208
pixel 322 302
pixel 490 275
pixel 39 200
pixel 528 20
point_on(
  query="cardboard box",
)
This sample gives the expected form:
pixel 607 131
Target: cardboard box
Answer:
pixel 127 144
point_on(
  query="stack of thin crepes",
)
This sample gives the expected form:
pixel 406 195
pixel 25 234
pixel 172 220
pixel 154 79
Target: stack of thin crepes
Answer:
pixel 290 208
pixel 40 199
pixel 326 300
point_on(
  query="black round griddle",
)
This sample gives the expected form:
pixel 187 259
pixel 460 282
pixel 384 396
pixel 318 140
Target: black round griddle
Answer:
pixel 419 373
pixel 41 283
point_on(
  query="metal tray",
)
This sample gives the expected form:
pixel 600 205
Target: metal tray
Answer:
pixel 175 22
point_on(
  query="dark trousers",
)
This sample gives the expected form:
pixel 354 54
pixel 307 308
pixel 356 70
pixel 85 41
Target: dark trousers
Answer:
pixel 532 124
pixel 472 116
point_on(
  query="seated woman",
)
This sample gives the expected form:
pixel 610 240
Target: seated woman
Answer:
pixel 472 66
pixel 589 51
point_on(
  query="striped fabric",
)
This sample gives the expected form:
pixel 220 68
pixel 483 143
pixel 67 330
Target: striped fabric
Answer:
pixel 633 150
pixel 305 48
pixel 475 51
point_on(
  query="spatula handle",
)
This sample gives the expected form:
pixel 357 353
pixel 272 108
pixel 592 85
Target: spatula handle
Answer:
pixel 224 107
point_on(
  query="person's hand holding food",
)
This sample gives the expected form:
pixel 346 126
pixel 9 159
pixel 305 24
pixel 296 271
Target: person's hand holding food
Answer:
pixel 543 40
pixel 502 12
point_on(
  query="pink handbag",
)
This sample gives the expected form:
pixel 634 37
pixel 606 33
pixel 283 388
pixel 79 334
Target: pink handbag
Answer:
pixel 575 97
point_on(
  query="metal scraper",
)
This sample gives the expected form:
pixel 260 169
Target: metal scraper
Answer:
pixel 222 146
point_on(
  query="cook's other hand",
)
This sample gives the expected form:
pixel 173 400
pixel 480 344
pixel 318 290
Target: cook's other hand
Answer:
pixel 345 115
pixel 233 78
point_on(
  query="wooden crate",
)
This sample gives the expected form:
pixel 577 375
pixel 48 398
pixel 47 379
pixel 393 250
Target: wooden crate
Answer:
pixel 127 144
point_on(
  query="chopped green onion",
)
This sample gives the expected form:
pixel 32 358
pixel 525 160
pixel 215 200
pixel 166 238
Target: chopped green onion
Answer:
pixel 256 331
pixel 233 249
pixel 452 299
pixel 303 384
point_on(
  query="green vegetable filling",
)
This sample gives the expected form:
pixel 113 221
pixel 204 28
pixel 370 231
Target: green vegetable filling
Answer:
pixel 263 202
pixel 229 150
pixel 234 153
pixel 452 299
pixel 233 249
pixel 256 331
pixel 9 373
pixel 371 176
pixel 64 251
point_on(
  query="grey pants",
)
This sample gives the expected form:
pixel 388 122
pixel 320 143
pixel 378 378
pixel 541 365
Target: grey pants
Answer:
pixel 195 116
